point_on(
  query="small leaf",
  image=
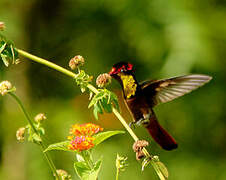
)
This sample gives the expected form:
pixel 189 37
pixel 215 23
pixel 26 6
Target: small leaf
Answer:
pixel 2 46
pixel 100 137
pixel 159 168
pixel 85 173
pixel 5 60
pixel 95 111
pixel 41 131
pixel 107 107
pixel 79 158
pixel 145 163
pixel 163 169
pixel 36 138
pixel 90 95
pixel 61 146
pixel 82 170
pixel 97 167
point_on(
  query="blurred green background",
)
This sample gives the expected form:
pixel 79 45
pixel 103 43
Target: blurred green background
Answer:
pixel 162 38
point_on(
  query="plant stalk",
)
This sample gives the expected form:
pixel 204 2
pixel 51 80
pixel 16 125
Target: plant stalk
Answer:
pixel 91 87
pixel 42 145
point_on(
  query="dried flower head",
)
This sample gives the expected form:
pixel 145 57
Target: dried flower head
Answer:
pixel 121 163
pixel 63 174
pixel 76 61
pixel 80 143
pixel 87 129
pixel 2 26
pixel 5 86
pixel 103 80
pixel 20 134
pixel 40 117
pixel 138 146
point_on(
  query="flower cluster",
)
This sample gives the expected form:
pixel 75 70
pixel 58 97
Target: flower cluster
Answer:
pixel 81 136
pixel 76 61
pixel 40 117
pixel 103 80
pixel 2 26
pixel 63 174
pixel 5 86
pixel 20 134
pixel 138 147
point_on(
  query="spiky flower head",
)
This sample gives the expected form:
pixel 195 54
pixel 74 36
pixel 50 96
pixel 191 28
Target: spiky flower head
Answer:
pixel 20 133
pixel 121 163
pixel 40 117
pixel 76 61
pixel 103 80
pixel 5 86
pixel 63 174
pixel 2 26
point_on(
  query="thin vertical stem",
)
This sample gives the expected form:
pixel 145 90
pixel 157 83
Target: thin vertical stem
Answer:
pixel 117 174
pixel 41 144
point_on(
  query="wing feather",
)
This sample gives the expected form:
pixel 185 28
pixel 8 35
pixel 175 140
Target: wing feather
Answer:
pixel 165 90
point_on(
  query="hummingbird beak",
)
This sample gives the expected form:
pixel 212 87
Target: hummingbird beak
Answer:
pixel 112 72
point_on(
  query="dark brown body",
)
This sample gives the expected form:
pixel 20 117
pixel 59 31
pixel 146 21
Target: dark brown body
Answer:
pixel 141 98
pixel 141 108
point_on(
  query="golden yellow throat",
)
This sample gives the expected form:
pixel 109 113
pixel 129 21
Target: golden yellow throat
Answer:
pixel 129 85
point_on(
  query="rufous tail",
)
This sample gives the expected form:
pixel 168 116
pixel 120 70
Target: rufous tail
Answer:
pixel 160 135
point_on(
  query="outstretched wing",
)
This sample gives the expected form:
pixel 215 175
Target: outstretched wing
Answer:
pixel 165 90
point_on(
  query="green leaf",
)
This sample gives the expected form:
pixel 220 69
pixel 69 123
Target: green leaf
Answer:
pixel 5 60
pixel 3 45
pixel 97 167
pixel 36 138
pixel 162 168
pixel 107 106
pixel 158 166
pixel 100 137
pixel 82 170
pixel 61 146
pixel 85 173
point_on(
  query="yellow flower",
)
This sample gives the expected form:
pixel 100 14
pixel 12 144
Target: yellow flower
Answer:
pixel 5 86
pixel 87 129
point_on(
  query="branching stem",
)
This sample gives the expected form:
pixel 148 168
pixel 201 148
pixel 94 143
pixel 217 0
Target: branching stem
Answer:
pixel 41 144
pixel 91 87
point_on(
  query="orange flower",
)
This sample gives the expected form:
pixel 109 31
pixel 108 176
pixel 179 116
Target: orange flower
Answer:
pixel 87 129
pixel 81 136
pixel 81 143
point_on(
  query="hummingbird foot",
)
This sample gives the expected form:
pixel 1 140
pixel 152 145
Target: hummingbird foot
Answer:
pixel 143 121
pixel 132 125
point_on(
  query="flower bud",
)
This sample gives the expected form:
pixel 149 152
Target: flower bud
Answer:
pixel 2 26
pixel 5 86
pixel 40 117
pixel 121 163
pixel 76 61
pixel 103 80
pixel 63 174
pixel 20 134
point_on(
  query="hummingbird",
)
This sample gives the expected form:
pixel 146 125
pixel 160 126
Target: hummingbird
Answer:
pixel 141 98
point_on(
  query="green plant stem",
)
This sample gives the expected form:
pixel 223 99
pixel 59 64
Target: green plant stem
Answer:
pixel 117 174
pixel 45 62
pixel 91 87
pixel 87 159
pixel 42 145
